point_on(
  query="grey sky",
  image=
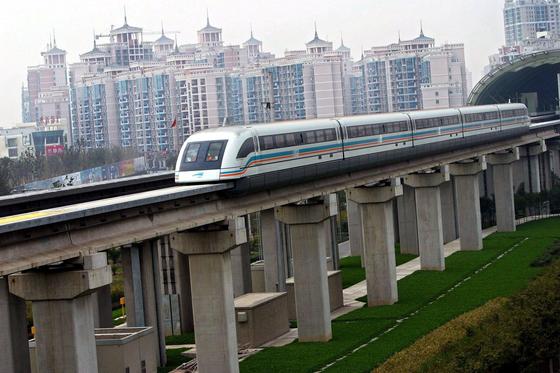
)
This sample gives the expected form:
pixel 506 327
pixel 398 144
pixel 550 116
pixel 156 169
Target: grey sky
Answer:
pixel 25 26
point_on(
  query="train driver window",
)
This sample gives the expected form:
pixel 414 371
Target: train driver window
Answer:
pixel 214 150
pixel 192 153
pixel 247 148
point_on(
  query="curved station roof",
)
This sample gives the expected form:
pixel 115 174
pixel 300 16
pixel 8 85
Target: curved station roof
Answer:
pixel 519 81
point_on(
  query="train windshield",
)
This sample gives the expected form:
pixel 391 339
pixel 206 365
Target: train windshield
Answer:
pixel 205 155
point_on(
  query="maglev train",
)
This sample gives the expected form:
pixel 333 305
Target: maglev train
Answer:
pixel 266 156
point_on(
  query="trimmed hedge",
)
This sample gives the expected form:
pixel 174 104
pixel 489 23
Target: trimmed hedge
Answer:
pixel 520 337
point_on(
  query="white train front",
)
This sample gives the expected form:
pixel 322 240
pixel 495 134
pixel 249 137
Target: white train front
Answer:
pixel 272 155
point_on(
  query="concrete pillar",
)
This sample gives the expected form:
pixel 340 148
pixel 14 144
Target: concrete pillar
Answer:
pixel 63 313
pixel 331 229
pixel 183 284
pixel 274 252
pixel 14 357
pixel 533 152
pixel 503 188
pixel 546 170
pixel 376 204
pixel 466 175
pixel 241 270
pixel 554 150
pixel 408 226
pixel 150 267
pixel 308 240
pixel 429 216
pixel 212 293
pixel 103 308
pixel 448 212
pixel 132 278
pixel 354 228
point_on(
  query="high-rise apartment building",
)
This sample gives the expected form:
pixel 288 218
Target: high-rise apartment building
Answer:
pixel 409 75
pixel 524 19
pixel 150 96
pixel 47 88
pixel 529 26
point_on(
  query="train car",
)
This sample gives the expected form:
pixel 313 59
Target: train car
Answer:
pixel 272 155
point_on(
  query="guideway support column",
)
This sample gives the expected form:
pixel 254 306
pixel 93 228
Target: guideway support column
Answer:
pixel 468 201
pixel 14 357
pixel 376 205
pixel 274 252
pixel 503 188
pixel 208 249
pixel 63 312
pixel 428 211
pixel 354 228
pixel 308 241
pixel 533 152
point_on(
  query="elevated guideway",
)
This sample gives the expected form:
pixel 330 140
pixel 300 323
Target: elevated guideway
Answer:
pixel 45 199
pixel 46 236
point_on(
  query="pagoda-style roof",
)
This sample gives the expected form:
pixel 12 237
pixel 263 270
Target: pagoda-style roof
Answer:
pixel 126 29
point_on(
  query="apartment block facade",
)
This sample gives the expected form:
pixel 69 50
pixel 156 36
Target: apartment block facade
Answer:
pixel 151 96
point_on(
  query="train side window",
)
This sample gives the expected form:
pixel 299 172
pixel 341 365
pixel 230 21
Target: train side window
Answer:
pixel 191 154
pixel 280 141
pixel 214 150
pixel 267 142
pixel 291 139
pixel 377 129
pixel 320 135
pixel 404 126
pixel 330 135
pixel 309 137
pixel 247 148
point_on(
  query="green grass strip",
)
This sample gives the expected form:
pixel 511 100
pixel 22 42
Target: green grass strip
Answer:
pixel 418 295
pixel 353 273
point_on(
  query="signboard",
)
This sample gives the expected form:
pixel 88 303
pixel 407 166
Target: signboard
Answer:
pixel 51 150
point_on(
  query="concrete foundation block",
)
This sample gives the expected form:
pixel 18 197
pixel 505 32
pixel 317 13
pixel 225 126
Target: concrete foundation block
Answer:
pixel 118 350
pixel 260 318
pixel 336 298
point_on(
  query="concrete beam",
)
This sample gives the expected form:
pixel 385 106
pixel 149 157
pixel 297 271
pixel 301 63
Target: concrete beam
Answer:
pixel 466 175
pixel 63 315
pixel 225 236
pixel 428 211
pixel 308 241
pixel 379 241
pixel 14 357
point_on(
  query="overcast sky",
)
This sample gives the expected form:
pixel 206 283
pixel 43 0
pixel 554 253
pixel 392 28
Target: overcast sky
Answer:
pixel 26 25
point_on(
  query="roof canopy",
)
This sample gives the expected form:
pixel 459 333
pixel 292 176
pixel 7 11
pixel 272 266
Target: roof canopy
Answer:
pixel 534 73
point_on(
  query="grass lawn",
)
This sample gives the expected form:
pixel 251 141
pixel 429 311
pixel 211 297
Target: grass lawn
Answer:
pixel 174 359
pixel 352 271
pixel 426 301
pixel 183 339
pixel 117 313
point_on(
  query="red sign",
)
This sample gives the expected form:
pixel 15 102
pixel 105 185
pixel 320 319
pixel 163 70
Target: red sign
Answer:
pixel 54 150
